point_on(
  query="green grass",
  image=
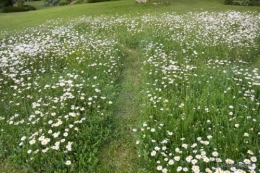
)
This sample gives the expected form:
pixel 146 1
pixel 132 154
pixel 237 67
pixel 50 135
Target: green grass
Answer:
pixel 121 157
pixel 18 21
pixel 126 67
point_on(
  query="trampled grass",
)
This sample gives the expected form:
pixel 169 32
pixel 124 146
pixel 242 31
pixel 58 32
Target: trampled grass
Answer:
pixel 157 92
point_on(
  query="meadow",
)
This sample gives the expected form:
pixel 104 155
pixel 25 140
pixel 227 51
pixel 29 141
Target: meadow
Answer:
pixel 139 89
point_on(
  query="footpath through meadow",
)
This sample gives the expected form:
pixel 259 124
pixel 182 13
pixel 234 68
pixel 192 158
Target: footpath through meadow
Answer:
pixel 120 154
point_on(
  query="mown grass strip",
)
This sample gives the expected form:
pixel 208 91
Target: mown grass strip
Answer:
pixel 120 155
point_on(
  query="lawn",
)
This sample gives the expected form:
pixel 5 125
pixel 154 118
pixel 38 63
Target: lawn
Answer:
pixel 126 87
pixel 18 21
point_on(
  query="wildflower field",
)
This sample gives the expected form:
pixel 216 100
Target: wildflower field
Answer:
pixel 199 92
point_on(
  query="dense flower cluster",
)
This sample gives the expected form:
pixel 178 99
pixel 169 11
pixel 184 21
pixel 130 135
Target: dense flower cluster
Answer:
pixel 201 105
pixel 53 81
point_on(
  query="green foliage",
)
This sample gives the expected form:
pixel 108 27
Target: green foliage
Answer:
pixel 51 2
pixel 20 3
pixel 80 1
pixel 18 9
pixel 242 2
pixel 228 2
pixel 6 3
pixel 254 3
pixel 93 1
pixel 63 2
pixel 29 7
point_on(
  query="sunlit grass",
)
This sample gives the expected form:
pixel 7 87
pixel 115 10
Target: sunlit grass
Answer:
pixel 19 21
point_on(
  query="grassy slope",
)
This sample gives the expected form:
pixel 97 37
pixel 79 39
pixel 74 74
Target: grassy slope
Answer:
pixel 17 21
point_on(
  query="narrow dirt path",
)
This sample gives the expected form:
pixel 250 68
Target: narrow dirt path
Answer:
pixel 120 156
